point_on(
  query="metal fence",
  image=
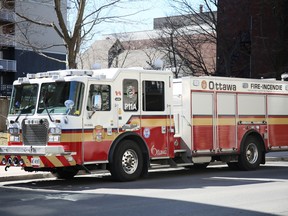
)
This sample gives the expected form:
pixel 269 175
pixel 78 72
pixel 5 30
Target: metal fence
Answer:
pixel 7 40
pixel 7 15
pixel 5 90
pixel 8 65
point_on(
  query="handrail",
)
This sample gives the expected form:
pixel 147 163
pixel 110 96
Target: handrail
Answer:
pixel 8 65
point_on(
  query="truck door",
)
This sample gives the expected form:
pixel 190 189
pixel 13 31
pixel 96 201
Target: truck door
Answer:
pixel 155 113
pixel 98 122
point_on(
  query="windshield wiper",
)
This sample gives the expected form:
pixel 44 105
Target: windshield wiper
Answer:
pixel 45 107
pixel 21 112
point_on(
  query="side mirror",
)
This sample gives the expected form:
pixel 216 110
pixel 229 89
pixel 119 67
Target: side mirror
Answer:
pixel 69 104
pixel 97 102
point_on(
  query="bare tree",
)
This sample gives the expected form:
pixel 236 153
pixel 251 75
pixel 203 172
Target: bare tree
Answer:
pixel 189 39
pixel 167 43
pixel 87 14
pixel 152 56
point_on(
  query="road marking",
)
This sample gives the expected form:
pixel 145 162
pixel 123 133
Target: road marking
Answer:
pixel 250 179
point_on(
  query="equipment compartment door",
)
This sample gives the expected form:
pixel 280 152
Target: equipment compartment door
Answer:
pixel 226 122
pixel 202 122
pixel 277 106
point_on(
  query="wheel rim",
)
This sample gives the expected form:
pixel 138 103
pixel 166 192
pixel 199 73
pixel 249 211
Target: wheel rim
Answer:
pixel 130 161
pixel 252 153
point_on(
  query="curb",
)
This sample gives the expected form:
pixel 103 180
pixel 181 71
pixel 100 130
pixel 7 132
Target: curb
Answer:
pixel 28 176
pixel 276 159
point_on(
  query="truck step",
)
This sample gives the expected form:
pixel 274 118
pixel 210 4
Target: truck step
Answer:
pixel 184 164
pixel 162 166
pixel 180 151
pixel 159 166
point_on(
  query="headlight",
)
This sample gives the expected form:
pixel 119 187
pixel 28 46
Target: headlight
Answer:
pixel 55 130
pixel 14 130
pixel 14 138
pixel 54 138
pixel 55 134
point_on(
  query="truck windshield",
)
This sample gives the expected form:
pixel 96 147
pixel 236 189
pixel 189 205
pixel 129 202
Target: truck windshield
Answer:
pixel 23 99
pixel 53 96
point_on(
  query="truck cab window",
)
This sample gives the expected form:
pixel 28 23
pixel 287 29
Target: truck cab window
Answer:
pixel 130 95
pixel 100 95
pixel 24 99
pixel 53 96
pixel 153 96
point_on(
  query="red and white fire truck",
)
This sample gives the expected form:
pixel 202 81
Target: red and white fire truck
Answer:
pixel 130 120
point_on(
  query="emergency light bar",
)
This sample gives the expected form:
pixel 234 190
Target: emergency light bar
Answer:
pixel 31 76
pixel 23 80
pixel 55 75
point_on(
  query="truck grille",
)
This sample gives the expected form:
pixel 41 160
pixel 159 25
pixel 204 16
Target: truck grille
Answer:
pixel 35 132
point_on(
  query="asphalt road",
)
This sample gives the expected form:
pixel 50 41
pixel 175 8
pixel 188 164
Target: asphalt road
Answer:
pixel 214 191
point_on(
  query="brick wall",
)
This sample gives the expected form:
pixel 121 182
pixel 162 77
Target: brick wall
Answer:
pixel 252 38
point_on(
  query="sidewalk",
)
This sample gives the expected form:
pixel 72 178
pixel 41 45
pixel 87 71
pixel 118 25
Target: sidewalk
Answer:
pixel 277 156
pixel 16 173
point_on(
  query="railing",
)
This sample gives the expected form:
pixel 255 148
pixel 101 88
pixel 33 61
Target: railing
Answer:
pixel 7 40
pixel 5 90
pixel 7 65
pixel 7 15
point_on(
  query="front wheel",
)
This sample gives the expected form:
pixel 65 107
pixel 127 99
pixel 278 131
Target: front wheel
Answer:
pixel 251 155
pixel 127 161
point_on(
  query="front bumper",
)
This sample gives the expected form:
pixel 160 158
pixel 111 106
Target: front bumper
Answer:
pixel 36 157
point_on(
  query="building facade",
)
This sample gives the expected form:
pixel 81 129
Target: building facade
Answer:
pixel 252 38
pixel 133 49
pixel 24 46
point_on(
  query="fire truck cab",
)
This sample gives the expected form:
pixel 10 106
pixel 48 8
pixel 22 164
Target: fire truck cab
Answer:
pixel 130 120
pixel 65 121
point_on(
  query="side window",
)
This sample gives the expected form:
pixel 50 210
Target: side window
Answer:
pixel 99 98
pixel 130 95
pixel 153 96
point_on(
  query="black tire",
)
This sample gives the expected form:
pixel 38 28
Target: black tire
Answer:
pixel 65 172
pixel 127 161
pixel 233 165
pixel 251 154
pixel 200 166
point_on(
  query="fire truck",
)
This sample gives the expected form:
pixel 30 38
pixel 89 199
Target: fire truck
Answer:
pixel 128 121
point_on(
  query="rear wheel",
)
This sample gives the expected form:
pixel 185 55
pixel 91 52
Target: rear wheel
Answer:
pixel 251 155
pixel 127 161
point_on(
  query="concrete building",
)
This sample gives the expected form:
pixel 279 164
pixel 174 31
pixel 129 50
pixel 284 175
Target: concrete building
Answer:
pixel 133 49
pixel 144 49
pixel 20 39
